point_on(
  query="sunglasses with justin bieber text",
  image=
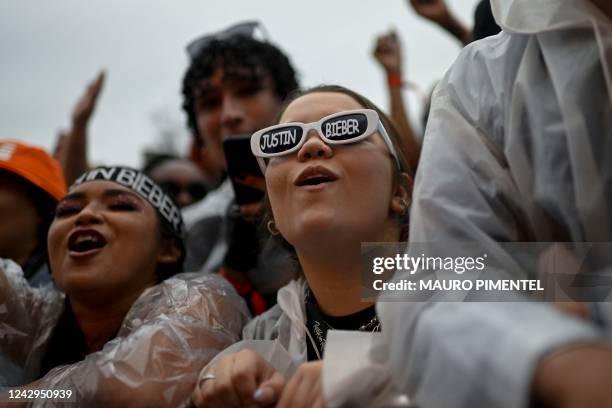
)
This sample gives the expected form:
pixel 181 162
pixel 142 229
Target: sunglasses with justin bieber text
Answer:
pixel 340 128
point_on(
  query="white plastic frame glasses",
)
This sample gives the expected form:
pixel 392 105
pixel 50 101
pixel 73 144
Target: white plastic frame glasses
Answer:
pixel 340 128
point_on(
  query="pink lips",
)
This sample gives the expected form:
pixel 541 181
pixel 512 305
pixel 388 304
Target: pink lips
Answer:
pixel 84 242
pixel 315 177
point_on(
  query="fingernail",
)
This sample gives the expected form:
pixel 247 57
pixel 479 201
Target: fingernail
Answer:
pixel 264 395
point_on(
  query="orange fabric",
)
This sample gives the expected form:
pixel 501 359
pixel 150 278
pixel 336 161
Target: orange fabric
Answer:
pixel 33 164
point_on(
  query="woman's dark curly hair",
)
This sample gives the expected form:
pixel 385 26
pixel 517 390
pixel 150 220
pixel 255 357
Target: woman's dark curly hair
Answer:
pixel 238 56
pixel 165 271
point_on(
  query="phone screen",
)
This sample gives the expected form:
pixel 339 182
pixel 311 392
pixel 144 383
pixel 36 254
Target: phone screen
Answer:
pixel 242 169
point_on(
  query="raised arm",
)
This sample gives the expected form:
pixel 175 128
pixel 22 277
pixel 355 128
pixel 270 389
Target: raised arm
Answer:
pixel 71 146
pixel 388 53
pixel 437 12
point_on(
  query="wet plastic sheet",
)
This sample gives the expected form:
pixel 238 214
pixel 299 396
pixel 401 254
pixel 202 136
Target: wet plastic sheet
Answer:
pixel 171 332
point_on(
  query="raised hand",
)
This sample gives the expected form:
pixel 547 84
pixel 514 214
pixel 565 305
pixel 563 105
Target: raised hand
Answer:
pixel 434 10
pixel 439 13
pixel 71 145
pixel 87 102
pixel 388 53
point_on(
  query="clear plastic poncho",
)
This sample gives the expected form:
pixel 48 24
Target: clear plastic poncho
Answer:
pixel 172 330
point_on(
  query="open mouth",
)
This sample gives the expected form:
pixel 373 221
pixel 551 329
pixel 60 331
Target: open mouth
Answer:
pixel 313 181
pixel 314 176
pixel 85 241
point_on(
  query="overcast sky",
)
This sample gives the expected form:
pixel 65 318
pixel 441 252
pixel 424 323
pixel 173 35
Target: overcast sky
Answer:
pixel 50 49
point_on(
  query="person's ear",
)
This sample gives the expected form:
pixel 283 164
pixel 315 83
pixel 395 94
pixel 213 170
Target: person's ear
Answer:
pixel 402 196
pixel 170 251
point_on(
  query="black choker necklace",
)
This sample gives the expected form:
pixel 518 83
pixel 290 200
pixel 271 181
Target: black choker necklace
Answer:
pixel 318 323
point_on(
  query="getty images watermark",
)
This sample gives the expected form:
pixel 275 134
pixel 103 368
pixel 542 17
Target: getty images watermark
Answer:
pixel 493 272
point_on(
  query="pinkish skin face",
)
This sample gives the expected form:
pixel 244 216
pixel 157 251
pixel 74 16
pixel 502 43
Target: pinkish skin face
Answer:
pixel 354 199
pixel 104 242
pixel 232 108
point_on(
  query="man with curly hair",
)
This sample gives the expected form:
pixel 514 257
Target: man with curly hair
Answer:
pixel 235 85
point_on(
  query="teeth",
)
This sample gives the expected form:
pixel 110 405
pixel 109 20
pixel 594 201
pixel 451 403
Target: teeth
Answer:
pixel 85 237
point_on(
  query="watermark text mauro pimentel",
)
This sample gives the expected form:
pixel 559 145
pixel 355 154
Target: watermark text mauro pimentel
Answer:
pixel 521 285
pixel 457 264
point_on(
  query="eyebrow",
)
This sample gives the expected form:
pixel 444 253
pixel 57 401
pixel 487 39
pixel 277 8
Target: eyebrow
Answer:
pixel 73 196
pixel 117 192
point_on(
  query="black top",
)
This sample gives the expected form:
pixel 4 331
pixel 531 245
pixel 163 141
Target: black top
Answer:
pixel 318 323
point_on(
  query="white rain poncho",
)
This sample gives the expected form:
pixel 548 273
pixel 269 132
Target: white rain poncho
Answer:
pixel 518 148
pixel 172 330
pixel 280 336
pixel 285 322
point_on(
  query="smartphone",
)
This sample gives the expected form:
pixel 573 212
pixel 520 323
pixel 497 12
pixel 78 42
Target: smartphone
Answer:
pixel 243 170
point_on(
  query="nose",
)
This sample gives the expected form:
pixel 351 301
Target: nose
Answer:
pixel 88 216
pixel 314 147
pixel 232 115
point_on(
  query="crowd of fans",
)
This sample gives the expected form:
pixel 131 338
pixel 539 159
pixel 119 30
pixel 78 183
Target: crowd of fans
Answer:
pixel 164 286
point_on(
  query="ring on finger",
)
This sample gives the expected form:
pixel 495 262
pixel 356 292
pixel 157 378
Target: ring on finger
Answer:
pixel 204 378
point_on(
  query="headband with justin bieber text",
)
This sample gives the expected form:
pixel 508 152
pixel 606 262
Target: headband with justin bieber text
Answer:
pixel 143 186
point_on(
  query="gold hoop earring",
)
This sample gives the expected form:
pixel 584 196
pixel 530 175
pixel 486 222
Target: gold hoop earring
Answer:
pixel 272 228
pixel 404 207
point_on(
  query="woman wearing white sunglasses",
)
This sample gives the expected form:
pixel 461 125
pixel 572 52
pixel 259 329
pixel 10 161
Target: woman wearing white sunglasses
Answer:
pixel 335 178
